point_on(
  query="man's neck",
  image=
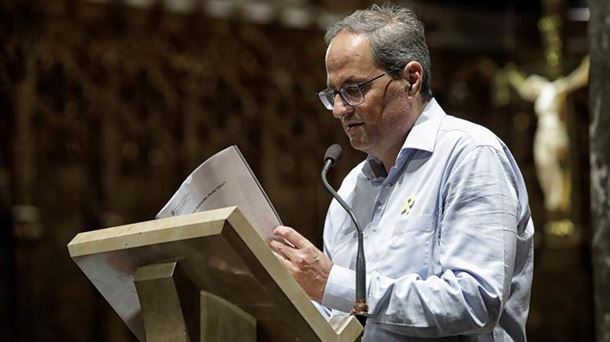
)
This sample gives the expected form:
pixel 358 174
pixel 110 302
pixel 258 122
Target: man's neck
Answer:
pixel 389 156
pixel 389 159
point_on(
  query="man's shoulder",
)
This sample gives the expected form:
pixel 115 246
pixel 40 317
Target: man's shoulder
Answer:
pixel 459 132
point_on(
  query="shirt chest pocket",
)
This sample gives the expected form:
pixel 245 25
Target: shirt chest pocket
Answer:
pixel 410 243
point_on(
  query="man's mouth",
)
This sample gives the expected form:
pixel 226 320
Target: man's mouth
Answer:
pixel 351 126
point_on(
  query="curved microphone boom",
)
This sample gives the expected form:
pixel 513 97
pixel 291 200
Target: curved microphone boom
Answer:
pixel 360 310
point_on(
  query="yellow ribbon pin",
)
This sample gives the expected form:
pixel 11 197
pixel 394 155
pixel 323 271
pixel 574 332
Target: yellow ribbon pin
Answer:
pixel 407 205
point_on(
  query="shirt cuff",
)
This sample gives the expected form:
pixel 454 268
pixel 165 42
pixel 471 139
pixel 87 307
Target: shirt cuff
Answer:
pixel 340 292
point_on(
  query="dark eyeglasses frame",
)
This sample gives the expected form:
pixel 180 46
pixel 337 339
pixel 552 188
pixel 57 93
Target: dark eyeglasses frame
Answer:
pixel 327 95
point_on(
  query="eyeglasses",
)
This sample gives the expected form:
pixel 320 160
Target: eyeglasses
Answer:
pixel 351 94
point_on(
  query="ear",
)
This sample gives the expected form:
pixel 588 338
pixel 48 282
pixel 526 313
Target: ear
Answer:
pixel 413 74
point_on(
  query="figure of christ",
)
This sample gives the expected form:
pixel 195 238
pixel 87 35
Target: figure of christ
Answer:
pixel 551 141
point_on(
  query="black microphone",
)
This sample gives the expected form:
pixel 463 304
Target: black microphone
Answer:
pixel 331 156
pixel 360 310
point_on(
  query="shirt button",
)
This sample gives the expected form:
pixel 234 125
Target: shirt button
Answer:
pixel 389 185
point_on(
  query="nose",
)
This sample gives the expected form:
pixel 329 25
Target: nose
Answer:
pixel 340 108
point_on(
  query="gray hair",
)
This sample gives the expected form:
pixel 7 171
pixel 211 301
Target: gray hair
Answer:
pixel 396 36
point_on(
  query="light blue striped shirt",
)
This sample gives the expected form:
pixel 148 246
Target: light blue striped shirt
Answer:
pixel 448 237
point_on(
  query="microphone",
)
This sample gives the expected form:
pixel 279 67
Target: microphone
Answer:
pixel 360 310
pixel 331 156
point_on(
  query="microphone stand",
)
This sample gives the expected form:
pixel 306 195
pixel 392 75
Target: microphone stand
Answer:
pixel 360 309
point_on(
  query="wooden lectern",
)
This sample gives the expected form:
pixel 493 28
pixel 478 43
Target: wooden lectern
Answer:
pixel 207 276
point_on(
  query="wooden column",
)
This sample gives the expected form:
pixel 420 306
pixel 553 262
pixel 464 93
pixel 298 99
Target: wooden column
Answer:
pixel 599 32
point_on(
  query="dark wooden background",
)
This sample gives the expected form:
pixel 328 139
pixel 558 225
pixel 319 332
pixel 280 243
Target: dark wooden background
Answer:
pixel 106 107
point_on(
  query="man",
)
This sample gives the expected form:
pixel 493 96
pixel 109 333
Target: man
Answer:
pixel 444 208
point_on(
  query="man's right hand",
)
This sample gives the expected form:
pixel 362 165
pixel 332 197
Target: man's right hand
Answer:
pixel 307 264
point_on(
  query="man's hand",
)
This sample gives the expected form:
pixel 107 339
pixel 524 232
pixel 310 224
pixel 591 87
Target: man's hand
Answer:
pixel 307 264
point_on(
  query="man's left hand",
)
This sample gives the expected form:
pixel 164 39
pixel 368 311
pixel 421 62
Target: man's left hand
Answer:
pixel 307 264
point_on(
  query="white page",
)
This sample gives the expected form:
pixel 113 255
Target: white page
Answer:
pixel 224 180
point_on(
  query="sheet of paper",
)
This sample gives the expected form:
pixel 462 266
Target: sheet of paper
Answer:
pixel 223 180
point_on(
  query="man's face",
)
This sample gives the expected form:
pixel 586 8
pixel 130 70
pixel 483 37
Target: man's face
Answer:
pixel 379 124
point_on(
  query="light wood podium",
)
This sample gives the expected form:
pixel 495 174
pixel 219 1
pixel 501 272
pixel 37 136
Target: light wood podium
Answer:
pixel 207 276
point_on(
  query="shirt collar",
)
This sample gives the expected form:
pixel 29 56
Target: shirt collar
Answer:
pixel 423 133
pixel 422 136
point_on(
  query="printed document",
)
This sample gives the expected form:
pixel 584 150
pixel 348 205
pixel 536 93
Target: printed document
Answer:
pixel 225 180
